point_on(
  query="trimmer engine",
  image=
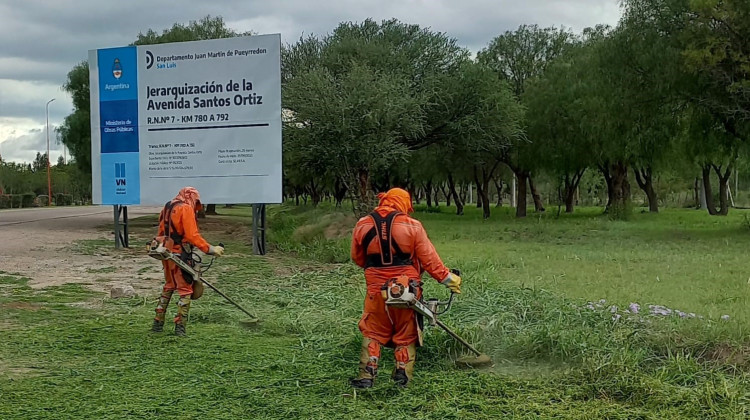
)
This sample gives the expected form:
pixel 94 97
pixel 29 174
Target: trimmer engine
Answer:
pixel 158 248
pixel 402 292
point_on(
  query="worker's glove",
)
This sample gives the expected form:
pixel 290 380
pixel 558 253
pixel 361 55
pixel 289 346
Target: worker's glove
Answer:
pixel 216 250
pixel 453 282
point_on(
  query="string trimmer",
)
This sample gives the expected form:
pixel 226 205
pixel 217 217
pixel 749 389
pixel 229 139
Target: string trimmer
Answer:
pixel 402 292
pixel 158 250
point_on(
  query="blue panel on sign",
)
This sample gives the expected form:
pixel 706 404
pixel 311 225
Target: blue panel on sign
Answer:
pixel 119 126
pixel 120 179
pixel 118 73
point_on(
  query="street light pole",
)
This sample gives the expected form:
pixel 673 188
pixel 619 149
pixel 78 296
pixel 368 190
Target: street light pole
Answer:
pixel 49 178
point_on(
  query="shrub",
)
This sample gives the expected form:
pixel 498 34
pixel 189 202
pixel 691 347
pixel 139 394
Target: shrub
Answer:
pixel 27 200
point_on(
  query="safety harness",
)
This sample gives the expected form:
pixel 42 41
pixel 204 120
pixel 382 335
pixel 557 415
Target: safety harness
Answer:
pixel 186 250
pixel 169 229
pixel 382 230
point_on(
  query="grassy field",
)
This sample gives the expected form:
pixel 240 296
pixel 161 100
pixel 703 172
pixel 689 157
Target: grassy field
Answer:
pixel 68 352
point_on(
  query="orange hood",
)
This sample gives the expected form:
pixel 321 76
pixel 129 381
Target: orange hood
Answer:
pixel 189 196
pixel 396 198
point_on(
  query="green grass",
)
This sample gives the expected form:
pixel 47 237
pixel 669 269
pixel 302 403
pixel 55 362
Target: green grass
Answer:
pixel 525 284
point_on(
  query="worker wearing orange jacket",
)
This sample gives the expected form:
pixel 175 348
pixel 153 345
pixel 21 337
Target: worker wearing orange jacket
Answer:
pixel 388 244
pixel 178 222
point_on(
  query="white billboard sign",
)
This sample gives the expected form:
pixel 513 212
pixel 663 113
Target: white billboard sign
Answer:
pixel 205 114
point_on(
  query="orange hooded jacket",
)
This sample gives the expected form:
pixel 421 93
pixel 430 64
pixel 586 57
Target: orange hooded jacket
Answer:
pixel 408 234
pixel 184 206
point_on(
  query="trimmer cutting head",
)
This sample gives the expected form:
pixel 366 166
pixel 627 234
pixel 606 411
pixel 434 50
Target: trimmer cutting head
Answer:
pixel 474 362
pixel 249 323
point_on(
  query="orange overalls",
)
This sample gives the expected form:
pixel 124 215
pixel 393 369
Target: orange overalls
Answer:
pixel 410 254
pixel 177 220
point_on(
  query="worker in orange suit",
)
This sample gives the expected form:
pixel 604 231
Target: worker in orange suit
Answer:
pixel 388 244
pixel 178 221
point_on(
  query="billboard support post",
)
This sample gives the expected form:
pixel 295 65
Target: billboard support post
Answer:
pixel 121 227
pixel 259 229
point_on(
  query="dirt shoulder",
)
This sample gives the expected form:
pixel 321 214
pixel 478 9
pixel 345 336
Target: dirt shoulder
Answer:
pixel 53 247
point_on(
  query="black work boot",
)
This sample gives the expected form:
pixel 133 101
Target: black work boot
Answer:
pixel 399 376
pixel 158 326
pixel 361 383
pixel 179 330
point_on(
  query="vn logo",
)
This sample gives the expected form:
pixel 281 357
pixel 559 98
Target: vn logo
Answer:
pixel 120 174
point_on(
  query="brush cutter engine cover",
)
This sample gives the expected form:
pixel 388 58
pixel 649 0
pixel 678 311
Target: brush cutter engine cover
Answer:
pixel 160 248
pixel 400 292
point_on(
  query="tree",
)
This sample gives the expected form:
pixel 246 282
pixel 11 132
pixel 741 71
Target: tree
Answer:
pixel 490 123
pixel 208 27
pixel 75 131
pixel 555 109
pixel 40 163
pixel 708 144
pixel 717 48
pixel 518 57
pixel 647 66
pixel 712 82
pixel 384 84
pixel 359 126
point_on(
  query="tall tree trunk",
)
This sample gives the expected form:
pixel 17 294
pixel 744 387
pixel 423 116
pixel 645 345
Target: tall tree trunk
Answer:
pixel 412 191
pixel 447 193
pixel 570 189
pixel 314 193
pixel 538 205
pixel 570 197
pixel 707 189
pixel 340 191
pixel 365 204
pixel 696 193
pixel 723 198
pixel 605 170
pixel 723 188
pixel 483 186
pixel 645 178
pixel 621 190
pixel 522 178
pixel 428 193
pixel 499 188
pixel 463 191
pixel 456 196
pixel 486 194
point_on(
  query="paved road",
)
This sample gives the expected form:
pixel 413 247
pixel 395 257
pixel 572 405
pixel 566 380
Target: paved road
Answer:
pixel 81 216
pixel 30 228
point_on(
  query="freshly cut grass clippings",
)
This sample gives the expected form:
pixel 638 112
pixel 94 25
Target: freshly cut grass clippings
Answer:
pixel 526 287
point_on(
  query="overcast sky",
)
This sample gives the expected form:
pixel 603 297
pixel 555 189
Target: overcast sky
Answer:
pixel 43 39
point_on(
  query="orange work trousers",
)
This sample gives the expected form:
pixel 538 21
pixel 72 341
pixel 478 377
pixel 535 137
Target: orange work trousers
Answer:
pixel 391 327
pixel 175 279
